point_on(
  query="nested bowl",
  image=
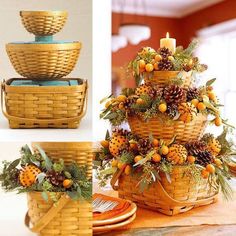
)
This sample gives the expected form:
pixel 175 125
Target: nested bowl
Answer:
pixel 43 61
pixel 43 23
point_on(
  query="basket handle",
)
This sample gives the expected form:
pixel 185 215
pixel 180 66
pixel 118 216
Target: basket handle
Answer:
pixel 168 199
pixel 48 217
pixel 15 118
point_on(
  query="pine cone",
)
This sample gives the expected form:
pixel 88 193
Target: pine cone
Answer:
pixel 144 146
pixel 204 158
pixel 129 101
pixel 174 94
pixel 195 147
pixel 172 110
pixel 192 93
pixel 55 178
pixel 121 132
pixel 164 52
pixel 165 65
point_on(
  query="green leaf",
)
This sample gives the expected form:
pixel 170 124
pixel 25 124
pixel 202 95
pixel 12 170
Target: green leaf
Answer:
pixel 74 195
pixel 67 174
pixel 210 82
pixel 104 99
pixel 110 116
pixel 41 177
pixel 107 137
pixel 109 171
pixel 48 162
pixel 44 196
pixel 14 164
pixel 144 160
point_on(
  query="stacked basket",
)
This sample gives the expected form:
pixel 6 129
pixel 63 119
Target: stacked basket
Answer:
pixel 44 62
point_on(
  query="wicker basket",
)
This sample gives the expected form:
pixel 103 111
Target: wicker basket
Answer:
pixel 67 217
pixel 43 61
pixel 79 152
pixel 43 23
pixel 162 78
pixel 181 195
pixel 45 106
pixel 168 129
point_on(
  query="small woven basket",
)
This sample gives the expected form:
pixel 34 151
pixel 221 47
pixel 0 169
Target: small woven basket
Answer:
pixel 66 217
pixel 79 152
pixel 43 23
pixel 44 106
pixel 168 129
pixel 162 78
pixel 181 195
pixel 44 61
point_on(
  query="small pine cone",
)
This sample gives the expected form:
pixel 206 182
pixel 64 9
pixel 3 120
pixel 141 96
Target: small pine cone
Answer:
pixel 174 94
pixel 195 147
pixel 192 93
pixel 172 110
pixel 129 101
pixel 55 178
pixel 121 132
pixel 164 52
pixel 204 158
pixel 165 65
pixel 144 146
pixel 207 137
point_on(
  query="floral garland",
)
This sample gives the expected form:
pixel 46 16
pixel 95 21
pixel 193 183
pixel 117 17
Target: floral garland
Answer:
pixel 36 172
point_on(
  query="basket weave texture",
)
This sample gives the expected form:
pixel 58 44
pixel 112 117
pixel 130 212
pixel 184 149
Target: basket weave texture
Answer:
pixel 168 129
pixel 45 106
pixel 44 61
pixel 43 23
pixel 181 195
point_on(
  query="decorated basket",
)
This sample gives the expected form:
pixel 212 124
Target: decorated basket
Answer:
pixel 43 61
pixel 79 152
pixel 44 106
pixel 167 129
pixel 66 217
pixel 179 195
pixel 43 23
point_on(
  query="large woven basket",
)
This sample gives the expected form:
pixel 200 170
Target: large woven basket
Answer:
pixel 66 217
pixel 181 195
pixel 168 129
pixel 79 152
pixel 44 106
pixel 162 78
pixel 43 23
pixel 43 61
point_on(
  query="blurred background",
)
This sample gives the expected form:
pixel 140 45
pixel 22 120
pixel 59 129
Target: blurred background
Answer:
pixel 213 22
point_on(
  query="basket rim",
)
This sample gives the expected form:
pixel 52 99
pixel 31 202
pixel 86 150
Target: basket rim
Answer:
pixel 64 145
pixel 43 13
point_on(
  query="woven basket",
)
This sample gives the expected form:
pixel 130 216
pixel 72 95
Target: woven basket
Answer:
pixel 181 195
pixel 45 106
pixel 43 23
pixel 79 152
pixel 162 78
pixel 43 61
pixel 67 217
pixel 168 129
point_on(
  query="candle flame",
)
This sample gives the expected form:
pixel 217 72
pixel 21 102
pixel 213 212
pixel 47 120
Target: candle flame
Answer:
pixel 167 35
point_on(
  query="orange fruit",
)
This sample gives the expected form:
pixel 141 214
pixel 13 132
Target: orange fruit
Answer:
pixel 156 66
pixel 158 58
pixel 162 107
pixel 155 142
pixel 142 64
pixel 210 168
pixel 164 150
pixel 67 183
pixel 133 146
pixel 121 105
pixel 114 163
pixel 140 101
pixel 138 158
pixel 121 98
pixel 156 157
pixel 195 102
pixel 128 170
pixel 191 159
pixel 205 174
pixel 218 121
pixel 211 96
pixel 104 143
pixel 218 162
pixel 149 67
pixel 201 106
pixel 120 165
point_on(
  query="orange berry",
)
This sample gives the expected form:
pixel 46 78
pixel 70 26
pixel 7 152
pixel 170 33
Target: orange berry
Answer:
pixel 128 170
pixel 142 64
pixel 155 142
pixel 211 96
pixel 191 159
pixel 210 168
pixel 156 66
pixel 121 105
pixel 121 98
pixel 218 121
pixel 133 146
pixel 195 102
pixel 218 162
pixel 114 163
pixel 201 106
pixel 205 174
pixel 138 158
pixel 140 101
pixel 67 183
pixel 158 58
pixel 156 157
pixel 164 150
pixel 104 143
pixel 162 107
pixel 149 67
pixel 120 165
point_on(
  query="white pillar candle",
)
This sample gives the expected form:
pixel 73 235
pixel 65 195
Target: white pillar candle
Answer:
pixel 169 43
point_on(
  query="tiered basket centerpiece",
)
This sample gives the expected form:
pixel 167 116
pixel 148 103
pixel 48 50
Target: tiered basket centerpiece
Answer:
pixel 166 163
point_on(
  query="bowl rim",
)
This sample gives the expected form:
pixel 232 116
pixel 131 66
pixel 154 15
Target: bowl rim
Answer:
pixel 43 13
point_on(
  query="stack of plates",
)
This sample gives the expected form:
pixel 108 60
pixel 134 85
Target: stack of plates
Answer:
pixel 116 222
